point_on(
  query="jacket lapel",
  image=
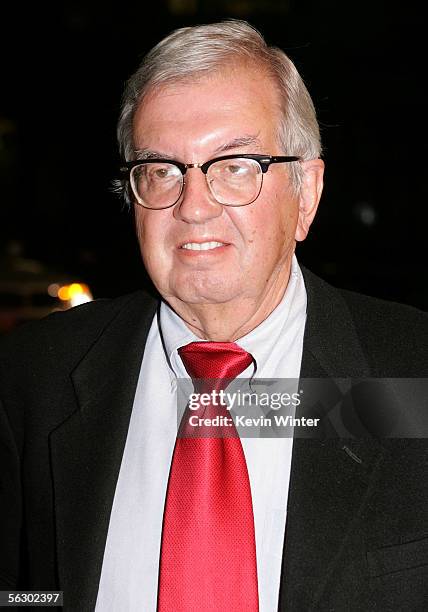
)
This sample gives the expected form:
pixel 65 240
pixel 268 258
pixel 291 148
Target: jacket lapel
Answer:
pixel 330 476
pixel 86 450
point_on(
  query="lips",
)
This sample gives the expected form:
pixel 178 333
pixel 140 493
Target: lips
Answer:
pixel 203 246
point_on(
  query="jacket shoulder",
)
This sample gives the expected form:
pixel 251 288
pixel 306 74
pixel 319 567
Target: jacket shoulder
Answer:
pixel 70 332
pixel 394 337
pixel 391 333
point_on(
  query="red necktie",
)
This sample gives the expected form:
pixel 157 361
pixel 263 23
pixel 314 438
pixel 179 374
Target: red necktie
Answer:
pixel 208 554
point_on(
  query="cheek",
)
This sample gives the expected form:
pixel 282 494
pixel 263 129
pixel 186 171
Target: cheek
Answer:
pixel 271 227
pixel 285 215
pixel 275 240
pixel 139 215
pixel 143 241
pixel 151 237
pixel 151 226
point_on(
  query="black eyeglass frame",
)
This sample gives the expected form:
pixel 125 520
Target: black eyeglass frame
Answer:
pixel 264 162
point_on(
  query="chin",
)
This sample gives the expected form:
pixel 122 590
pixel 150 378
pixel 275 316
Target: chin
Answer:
pixel 205 291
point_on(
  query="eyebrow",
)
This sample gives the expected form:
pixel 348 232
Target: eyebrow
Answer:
pixel 141 154
pixel 236 143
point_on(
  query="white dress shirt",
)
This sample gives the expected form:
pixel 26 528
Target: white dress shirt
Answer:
pixel 129 576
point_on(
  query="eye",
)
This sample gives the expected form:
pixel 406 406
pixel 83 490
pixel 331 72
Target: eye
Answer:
pixel 163 171
pixel 235 169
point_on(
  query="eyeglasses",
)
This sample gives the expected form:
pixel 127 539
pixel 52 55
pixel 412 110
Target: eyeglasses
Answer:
pixel 233 180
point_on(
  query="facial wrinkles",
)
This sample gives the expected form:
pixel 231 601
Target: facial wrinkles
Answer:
pixel 197 128
pixel 199 317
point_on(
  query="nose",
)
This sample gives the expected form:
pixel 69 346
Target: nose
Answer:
pixel 196 205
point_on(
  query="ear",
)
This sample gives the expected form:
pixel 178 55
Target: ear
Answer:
pixel 310 194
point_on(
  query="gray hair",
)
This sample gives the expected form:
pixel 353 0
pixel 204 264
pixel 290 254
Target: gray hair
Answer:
pixel 188 54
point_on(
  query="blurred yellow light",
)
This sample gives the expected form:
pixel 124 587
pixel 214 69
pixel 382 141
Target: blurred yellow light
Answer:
pixel 75 289
pixel 75 293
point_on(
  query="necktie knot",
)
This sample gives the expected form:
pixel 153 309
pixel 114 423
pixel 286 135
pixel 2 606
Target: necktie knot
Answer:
pixel 214 360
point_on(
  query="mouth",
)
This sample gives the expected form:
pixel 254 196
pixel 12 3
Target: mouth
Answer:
pixel 203 246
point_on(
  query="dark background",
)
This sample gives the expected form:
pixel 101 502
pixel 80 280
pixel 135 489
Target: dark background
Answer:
pixel 64 67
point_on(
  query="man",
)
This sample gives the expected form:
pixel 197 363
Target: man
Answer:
pixel 223 172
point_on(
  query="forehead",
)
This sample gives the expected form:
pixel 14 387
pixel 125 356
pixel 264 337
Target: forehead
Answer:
pixel 208 113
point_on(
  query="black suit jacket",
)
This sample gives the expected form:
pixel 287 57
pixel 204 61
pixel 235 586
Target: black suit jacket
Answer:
pixel 357 521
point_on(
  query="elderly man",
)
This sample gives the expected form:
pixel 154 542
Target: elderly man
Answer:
pixel 102 499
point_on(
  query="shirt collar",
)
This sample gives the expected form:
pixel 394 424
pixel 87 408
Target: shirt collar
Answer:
pixel 260 342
